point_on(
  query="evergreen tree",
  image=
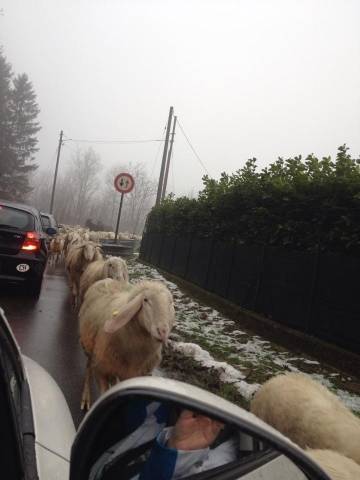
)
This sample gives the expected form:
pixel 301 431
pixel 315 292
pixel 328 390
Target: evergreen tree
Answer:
pixel 18 128
pixel 7 150
pixel 24 112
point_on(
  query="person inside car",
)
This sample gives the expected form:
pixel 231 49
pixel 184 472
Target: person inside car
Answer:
pixel 158 450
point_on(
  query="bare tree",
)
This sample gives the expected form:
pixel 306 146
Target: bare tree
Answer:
pixel 84 171
pixel 80 198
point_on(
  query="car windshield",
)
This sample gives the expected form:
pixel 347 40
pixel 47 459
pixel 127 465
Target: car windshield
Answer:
pixel 45 221
pixel 15 218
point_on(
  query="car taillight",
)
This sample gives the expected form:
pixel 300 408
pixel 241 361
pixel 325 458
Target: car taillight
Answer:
pixel 31 242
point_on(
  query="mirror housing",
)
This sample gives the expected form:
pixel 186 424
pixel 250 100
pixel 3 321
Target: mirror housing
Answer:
pixel 87 446
pixel 51 231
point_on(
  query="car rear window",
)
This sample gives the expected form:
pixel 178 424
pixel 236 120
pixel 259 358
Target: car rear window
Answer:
pixel 45 221
pixel 15 218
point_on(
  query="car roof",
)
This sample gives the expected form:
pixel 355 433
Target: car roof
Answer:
pixel 20 206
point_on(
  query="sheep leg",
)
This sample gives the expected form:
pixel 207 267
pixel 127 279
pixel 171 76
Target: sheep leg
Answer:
pixel 103 383
pixel 86 397
pixel 74 296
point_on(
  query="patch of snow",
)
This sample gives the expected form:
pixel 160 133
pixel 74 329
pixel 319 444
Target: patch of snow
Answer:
pixel 227 373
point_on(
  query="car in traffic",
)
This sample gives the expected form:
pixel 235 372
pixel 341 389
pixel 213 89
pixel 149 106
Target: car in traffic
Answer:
pixel 23 249
pixel 48 220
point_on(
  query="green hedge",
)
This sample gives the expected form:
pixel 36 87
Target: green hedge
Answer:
pixel 296 203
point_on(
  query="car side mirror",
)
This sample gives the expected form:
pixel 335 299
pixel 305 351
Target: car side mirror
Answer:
pixel 152 428
pixel 51 231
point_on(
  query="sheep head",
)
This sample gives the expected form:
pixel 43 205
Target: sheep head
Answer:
pixel 91 252
pixel 116 268
pixel 153 306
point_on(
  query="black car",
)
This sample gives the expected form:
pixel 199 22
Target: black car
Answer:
pixel 23 250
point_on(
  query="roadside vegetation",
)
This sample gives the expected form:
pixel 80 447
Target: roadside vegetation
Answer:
pixel 298 203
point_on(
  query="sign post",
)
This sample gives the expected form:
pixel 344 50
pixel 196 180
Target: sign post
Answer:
pixel 123 183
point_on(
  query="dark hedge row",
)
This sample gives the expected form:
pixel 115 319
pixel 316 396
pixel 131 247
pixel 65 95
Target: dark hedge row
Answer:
pixel 296 203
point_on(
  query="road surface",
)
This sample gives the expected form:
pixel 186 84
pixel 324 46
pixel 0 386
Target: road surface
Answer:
pixel 47 331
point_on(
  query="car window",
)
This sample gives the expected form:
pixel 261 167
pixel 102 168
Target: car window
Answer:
pixel 15 218
pixel 45 221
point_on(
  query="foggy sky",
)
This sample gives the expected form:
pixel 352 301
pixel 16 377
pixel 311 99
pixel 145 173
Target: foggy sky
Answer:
pixel 247 78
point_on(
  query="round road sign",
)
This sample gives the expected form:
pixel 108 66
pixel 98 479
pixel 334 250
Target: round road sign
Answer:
pixel 124 183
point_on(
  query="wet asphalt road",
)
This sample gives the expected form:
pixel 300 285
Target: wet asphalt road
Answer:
pixel 47 331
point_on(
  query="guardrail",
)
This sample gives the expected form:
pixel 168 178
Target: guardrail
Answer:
pixel 121 248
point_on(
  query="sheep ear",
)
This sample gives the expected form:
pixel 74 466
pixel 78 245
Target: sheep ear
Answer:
pixel 124 315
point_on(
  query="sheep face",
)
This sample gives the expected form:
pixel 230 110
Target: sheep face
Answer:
pixel 116 268
pixel 154 310
pixel 91 252
pixel 157 313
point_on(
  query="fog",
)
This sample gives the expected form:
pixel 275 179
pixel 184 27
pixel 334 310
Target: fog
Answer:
pixel 246 78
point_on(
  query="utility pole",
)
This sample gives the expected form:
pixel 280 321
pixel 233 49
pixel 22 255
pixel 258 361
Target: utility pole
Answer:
pixel 168 159
pixel 162 170
pixel 56 171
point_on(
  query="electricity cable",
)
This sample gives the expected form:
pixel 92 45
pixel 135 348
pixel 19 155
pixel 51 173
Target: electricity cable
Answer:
pixel 192 148
pixel 114 141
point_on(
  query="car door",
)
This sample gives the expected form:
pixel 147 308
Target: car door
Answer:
pixel 17 452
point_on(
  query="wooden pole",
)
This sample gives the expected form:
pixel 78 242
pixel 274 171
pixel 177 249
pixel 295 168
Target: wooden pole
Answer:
pixel 168 159
pixel 56 172
pixel 162 170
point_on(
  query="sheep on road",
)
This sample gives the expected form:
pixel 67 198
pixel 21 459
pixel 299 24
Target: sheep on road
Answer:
pixel 112 267
pixel 122 330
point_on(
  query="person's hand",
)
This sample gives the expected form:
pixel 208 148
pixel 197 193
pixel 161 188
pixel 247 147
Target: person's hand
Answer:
pixel 193 431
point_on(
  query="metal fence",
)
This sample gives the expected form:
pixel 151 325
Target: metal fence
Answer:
pixel 315 293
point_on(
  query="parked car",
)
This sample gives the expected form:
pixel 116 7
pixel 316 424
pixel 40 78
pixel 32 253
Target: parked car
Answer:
pixel 48 220
pixel 37 429
pixel 23 250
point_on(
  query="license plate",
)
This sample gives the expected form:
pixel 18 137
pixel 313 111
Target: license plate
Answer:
pixel 23 267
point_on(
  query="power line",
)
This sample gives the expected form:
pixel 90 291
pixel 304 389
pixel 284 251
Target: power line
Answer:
pixel 193 149
pixel 114 141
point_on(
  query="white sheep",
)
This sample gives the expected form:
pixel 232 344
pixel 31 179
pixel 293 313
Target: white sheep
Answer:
pixel 72 239
pixel 337 466
pixel 77 259
pixel 94 236
pixel 56 249
pixel 112 267
pixel 122 330
pixel 309 414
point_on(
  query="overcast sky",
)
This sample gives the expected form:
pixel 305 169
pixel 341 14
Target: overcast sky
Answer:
pixel 246 77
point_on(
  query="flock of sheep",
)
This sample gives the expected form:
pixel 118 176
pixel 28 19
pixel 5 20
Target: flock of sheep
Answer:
pixel 118 320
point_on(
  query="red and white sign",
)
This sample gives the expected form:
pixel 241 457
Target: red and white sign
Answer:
pixel 124 183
